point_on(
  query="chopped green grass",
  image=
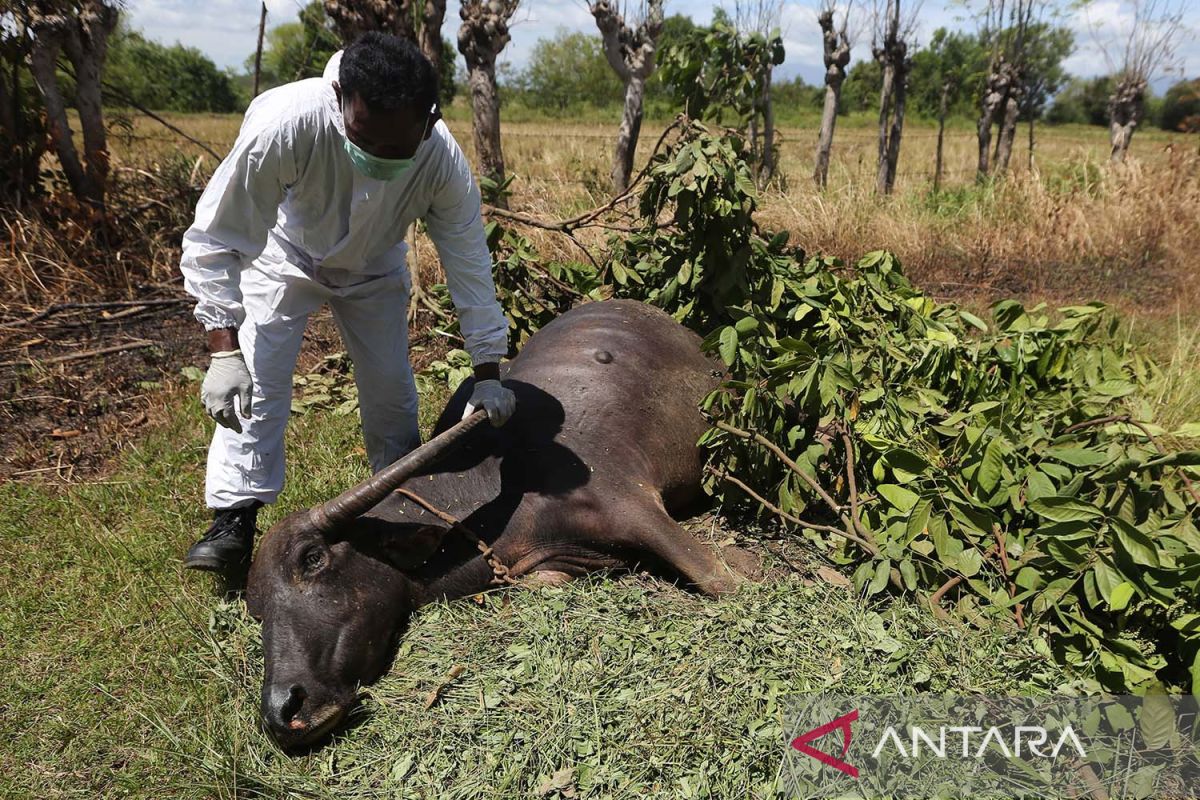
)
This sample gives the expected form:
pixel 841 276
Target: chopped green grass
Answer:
pixel 125 676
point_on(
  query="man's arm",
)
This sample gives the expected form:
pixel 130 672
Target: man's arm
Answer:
pixel 455 225
pixel 233 217
pixel 235 212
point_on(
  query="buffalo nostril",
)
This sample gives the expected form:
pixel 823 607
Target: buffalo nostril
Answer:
pixel 292 706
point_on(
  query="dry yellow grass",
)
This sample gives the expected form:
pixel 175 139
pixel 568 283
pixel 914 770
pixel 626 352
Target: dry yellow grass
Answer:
pixel 1071 228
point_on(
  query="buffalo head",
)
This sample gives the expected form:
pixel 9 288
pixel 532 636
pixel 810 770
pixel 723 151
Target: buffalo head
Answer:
pixel 329 587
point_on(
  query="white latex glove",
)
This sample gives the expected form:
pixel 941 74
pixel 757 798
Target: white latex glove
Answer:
pixel 227 378
pixel 492 397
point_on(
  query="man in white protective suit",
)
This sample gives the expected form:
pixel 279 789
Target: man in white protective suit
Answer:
pixel 311 206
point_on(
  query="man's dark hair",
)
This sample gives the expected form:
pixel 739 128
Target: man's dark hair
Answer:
pixel 388 73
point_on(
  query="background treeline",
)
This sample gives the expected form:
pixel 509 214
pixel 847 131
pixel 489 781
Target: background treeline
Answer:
pixel 567 75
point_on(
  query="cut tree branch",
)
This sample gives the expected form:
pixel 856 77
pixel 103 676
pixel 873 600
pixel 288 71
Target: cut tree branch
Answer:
pixel 767 504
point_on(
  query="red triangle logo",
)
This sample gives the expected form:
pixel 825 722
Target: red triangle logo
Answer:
pixel 842 723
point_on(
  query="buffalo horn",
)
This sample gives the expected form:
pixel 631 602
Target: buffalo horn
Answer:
pixel 366 495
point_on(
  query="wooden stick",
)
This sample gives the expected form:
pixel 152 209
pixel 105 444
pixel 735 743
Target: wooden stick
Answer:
pixel 853 485
pixel 116 348
pixel 57 307
pixel 865 545
pixel 782 456
pixel 1162 452
pixel 1012 587
pixel 936 598
pixel 582 220
pixel 1078 426
pixel 124 98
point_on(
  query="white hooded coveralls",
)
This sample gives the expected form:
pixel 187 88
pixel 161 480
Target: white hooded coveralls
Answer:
pixel 286 224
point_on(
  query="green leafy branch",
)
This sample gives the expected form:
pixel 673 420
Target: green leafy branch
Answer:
pixel 1006 470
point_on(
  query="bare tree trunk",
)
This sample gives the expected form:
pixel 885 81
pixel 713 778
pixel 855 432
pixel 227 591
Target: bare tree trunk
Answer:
pixel 1029 166
pixel 481 37
pixel 12 159
pixel 837 57
pixel 993 100
pixel 825 137
pixel 983 131
pixel 1126 106
pixel 937 170
pixel 752 134
pixel 8 109
pixel 430 35
pixel 481 77
pixel 262 28
pixel 893 56
pixel 899 98
pixel 83 35
pixel 627 134
pixel 87 47
pixel 26 161
pixel 48 34
pixel 352 18
pixel 885 112
pixel 630 52
pixel 1120 135
pixel 1000 105
pixel 766 170
pixel 1008 134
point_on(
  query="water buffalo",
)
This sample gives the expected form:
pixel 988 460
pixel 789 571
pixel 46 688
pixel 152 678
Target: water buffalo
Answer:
pixel 585 476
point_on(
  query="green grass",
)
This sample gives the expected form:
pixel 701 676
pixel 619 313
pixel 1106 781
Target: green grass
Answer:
pixel 124 676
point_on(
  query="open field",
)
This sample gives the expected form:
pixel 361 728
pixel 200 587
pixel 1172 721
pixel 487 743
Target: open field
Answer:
pixel 1073 227
pixel 126 678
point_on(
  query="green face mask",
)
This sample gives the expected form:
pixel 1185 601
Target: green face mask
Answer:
pixel 381 169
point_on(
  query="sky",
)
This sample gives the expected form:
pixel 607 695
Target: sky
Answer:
pixel 225 30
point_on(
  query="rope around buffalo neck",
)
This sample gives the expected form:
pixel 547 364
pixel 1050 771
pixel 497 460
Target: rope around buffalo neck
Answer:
pixel 500 576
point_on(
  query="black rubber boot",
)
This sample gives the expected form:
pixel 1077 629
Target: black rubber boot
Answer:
pixel 226 545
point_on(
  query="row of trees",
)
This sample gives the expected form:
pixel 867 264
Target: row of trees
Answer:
pixel 1005 71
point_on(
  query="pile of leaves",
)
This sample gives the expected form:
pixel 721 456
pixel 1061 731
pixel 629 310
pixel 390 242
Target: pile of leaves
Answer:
pixel 1008 471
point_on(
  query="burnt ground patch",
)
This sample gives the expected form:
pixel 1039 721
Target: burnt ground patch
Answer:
pixel 80 381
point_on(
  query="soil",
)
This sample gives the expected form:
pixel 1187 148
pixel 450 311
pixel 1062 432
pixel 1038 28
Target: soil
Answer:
pixel 79 382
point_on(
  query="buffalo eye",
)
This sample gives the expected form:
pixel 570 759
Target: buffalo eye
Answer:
pixel 312 559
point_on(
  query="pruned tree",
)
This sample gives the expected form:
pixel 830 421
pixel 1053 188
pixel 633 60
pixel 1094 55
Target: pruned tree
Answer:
pixel 1136 53
pixel 629 46
pixel 889 45
pixel 80 30
pixel 836 39
pixel 1043 75
pixel 429 34
pixel 22 125
pixel 719 74
pixel 419 21
pixel 759 19
pixel 481 37
pixel 944 73
pixel 1008 28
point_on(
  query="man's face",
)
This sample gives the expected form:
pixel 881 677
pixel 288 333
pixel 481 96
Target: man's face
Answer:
pixel 384 134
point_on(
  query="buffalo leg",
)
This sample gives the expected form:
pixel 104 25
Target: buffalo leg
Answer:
pixel 697 562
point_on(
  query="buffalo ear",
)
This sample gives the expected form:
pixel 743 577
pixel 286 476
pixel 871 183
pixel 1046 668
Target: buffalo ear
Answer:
pixel 404 545
pixel 253 598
